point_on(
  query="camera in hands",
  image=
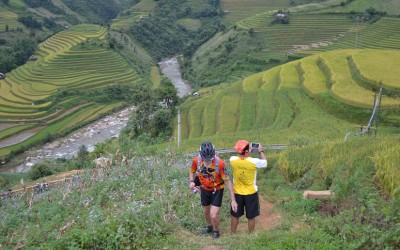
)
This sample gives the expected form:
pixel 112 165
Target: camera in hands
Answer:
pixel 254 147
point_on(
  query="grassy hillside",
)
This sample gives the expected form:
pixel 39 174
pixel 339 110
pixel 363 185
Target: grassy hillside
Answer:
pixel 8 19
pixel 135 13
pixel 304 95
pixel 383 34
pixel 141 199
pixel 262 45
pixel 146 203
pixel 237 10
pixel 312 28
pixel 48 94
pixel 392 7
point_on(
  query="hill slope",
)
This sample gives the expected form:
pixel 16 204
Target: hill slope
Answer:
pixel 298 96
pixel 49 93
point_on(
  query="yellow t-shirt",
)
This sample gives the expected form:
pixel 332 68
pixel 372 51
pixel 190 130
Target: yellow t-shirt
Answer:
pixel 245 174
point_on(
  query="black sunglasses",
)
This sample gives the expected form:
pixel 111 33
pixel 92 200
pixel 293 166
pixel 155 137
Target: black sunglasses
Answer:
pixel 204 169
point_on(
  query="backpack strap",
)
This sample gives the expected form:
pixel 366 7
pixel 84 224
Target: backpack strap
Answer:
pixel 216 163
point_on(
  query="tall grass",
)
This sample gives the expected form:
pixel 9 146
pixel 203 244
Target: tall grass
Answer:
pixel 125 207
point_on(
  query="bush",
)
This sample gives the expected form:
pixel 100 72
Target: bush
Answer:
pixel 40 170
pixel 3 182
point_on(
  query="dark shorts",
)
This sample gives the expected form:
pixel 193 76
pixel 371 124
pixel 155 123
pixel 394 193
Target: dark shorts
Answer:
pixel 211 198
pixel 250 203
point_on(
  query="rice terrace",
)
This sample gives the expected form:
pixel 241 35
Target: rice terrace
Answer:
pixel 316 82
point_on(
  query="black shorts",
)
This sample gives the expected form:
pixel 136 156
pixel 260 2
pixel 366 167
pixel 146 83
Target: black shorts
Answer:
pixel 250 202
pixel 211 198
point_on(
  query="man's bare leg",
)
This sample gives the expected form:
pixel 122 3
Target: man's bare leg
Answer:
pixel 206 210
pixel 251 224
pixel 234 224
pixel 214 217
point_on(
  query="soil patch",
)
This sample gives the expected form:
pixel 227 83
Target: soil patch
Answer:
pixel 20 137
pixel 267 220
pixel 328 208
pixel 6 126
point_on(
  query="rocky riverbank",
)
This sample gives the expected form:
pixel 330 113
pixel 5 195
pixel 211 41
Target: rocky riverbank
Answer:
pixel 68 146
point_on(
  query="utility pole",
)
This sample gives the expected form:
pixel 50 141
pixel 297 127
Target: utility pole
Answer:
pixel 357 20
pixel 179 128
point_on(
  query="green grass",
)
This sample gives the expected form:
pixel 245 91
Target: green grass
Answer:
pixel 8 18
pixel 13 130
pixel 305 93
pixel 155 76
pixel 189 24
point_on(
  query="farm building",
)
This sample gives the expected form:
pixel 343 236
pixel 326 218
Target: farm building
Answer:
pixel 2 75
pixel 32 58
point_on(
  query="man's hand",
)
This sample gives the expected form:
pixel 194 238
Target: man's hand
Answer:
pixel 234 206
pixel 260 149
pixel 192 185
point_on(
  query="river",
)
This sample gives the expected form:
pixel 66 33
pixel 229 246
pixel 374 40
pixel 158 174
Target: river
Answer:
pixel 89 135
pixel 171 69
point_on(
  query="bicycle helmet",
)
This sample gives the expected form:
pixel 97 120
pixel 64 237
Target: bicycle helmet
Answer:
pixel 241 145
pixel 207 151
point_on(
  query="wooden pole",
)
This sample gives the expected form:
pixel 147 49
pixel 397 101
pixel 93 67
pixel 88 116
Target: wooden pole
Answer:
pixel 179 128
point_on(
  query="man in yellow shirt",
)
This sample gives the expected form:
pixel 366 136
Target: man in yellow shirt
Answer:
pixel 244 170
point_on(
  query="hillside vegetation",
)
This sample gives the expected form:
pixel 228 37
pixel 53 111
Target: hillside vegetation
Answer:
pixel 278 103
pixel 253 84
pixel 53 93
pixel 263 44
pixel 145 203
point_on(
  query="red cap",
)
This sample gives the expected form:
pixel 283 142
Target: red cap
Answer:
pixel 240 146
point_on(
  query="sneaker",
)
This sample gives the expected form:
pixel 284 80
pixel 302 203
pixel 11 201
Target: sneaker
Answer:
pixel 207 230
pixel 215 234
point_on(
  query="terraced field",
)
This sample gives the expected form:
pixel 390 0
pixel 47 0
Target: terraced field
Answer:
pixel 8 18
pixel 384 34
pixel 304 31
pixel 237 10
pixel 69 60
pixel 288 97
pixel 133 14
pixel 392 7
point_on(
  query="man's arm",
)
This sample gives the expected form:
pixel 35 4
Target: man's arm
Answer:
pixel 232 194
pixel 192 170
pixel 263 162
pixel 261 152
pixel 191 180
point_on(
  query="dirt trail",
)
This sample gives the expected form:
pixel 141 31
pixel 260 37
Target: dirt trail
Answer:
pixel 267 220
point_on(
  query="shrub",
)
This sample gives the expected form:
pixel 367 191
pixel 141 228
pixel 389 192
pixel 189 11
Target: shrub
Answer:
pixel 40 170
pixel 3 182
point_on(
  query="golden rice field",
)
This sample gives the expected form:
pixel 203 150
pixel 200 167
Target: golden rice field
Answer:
pixel 328 157
pixel 282 98
pixel 71 59
pixel 288 104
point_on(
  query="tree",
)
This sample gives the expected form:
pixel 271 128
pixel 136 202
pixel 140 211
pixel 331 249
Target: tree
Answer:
pixel 162 122
pixel 83 152
pixel 167 93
